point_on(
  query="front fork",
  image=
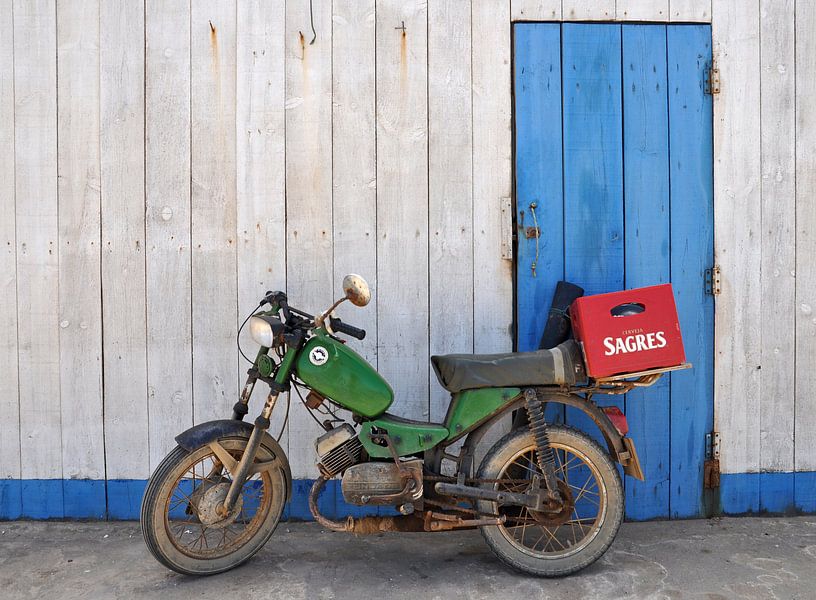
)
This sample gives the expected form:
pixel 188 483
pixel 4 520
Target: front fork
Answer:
pixel 277 385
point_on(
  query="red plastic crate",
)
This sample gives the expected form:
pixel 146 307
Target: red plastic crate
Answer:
pixel 614 345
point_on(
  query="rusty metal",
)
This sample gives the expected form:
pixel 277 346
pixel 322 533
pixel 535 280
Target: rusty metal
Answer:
pixel 631 463
pixel 544 454
pixel 362 526
pixel 532 233
pixel 711 474
pixel 443 522
pixel 712 80
pixel 314 400
pixel 534 501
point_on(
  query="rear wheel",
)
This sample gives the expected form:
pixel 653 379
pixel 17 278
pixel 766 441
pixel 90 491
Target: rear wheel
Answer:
pixel 180 523
pixel 553 544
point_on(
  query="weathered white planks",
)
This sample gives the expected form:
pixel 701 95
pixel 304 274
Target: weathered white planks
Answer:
pixel 80 285
pixel 450 185
pixel 778 138
pixel 492 178
pixel 737 235
pixel 402 203
pixel 167 222
pixel 492 186
pixel 805 236
pixel 9 384
pixel 213 212
pixel 695 11
pixel 35 176
pixel 524 10
pixel 124 322
pixel 309 265
pixel 588 10
pixel 642 10
pixel 359 167
pixel 354 160
pixel 260 164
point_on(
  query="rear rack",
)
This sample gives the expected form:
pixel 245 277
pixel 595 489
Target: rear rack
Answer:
pixel 626 382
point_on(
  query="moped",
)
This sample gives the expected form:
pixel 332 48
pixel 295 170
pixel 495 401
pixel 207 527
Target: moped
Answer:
pixel 547 498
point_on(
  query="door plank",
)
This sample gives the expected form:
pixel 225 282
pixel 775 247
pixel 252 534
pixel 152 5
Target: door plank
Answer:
pixel 261 164
pixel 778 155
pixel 450 185
pixel 167 223
pixel 492 178
pixel 593 167
pixel 805 251
pixel 309 264
pixel 122 84
pixel 538 173
pixel 689 49
pixel 402 203
pixel 647 245
pixel 738 249
pixel 213 209
pixel 354 151
pixel 35 176
pixel 10 498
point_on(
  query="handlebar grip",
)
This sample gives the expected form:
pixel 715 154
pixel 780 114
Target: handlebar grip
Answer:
pixel 339 327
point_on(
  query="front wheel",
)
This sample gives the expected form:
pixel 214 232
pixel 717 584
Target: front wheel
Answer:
pixel 553 544
pixel 180 523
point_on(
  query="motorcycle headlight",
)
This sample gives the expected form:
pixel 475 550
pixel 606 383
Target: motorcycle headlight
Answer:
pixel 265 329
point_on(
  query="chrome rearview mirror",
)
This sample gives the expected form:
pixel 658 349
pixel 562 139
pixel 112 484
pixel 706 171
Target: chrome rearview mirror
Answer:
pixel 356 289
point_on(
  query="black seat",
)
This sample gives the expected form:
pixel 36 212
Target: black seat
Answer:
pixel 562 365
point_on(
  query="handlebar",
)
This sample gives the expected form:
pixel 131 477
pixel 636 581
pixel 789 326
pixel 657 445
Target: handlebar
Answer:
pixel 278 300
pixel 340 327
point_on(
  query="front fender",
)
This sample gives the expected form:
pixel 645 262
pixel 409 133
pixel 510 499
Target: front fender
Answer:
pixel 204 433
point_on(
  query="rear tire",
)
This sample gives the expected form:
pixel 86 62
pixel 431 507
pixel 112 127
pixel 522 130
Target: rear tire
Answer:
pixel 513 458
pixel 169 514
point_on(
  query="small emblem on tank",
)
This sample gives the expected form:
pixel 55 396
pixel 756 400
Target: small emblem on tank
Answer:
pixel 318 356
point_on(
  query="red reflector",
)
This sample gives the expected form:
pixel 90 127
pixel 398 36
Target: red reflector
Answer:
pixel 618 419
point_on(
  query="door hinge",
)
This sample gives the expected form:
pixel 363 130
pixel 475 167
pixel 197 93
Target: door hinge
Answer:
pixel 507 228
pixel 711 467
pixel 712 281
pixel 712 80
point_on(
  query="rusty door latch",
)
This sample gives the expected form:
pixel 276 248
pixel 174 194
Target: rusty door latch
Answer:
pixel 711 466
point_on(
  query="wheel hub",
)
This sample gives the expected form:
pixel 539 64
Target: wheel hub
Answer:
pixel 213 499
pixel 562 512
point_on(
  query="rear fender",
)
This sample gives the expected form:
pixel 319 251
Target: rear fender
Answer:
pixel 621 448
pixel 204 433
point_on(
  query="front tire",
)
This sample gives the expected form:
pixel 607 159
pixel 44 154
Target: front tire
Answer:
pixel 179 523
pixel 553 544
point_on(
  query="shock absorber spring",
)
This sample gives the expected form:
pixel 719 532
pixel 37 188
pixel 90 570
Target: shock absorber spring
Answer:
pixel 538 427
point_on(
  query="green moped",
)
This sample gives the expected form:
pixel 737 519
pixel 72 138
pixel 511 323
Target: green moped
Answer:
pixel 547 498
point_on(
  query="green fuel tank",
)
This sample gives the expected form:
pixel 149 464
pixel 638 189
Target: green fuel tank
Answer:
pixel 334 370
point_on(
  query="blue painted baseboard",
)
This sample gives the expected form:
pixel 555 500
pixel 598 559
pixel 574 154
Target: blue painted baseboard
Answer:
pixel 774 493
pixel 120 499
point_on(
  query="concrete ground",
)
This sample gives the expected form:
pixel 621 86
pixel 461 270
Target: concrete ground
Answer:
pixel 722 558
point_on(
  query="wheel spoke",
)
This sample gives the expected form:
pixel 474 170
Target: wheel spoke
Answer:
pixel 197 539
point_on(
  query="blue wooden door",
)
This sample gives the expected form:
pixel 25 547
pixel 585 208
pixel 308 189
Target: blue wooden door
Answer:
pixel 614 166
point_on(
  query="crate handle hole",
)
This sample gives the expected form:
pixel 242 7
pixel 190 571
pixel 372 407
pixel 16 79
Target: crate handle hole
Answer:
pixel 627 309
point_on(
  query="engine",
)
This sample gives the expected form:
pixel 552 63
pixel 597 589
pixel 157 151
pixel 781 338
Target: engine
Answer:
pixel 337 450
pixel 366 483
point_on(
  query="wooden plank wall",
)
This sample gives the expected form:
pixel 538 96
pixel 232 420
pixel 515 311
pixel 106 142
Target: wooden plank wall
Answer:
pixel 166 163
pixel 208 152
